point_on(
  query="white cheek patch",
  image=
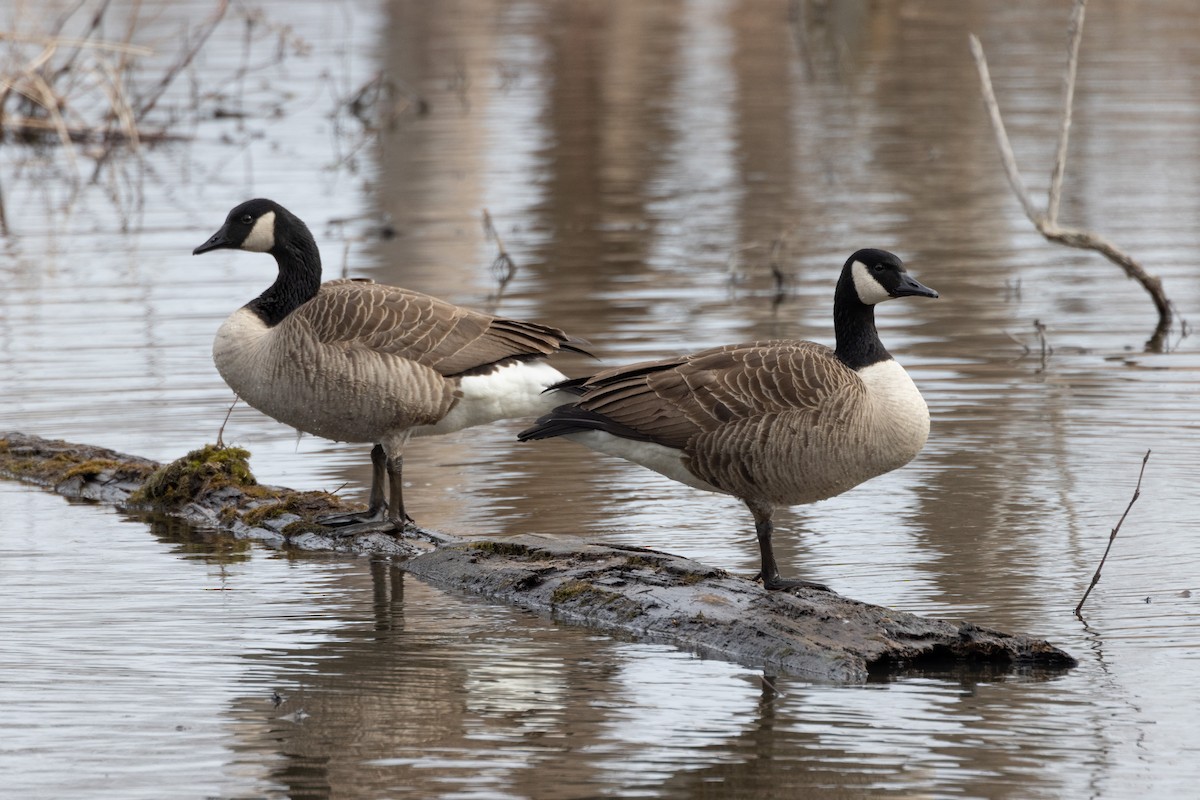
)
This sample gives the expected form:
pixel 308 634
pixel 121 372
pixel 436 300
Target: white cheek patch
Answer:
pixel 262 235
pixel 868 289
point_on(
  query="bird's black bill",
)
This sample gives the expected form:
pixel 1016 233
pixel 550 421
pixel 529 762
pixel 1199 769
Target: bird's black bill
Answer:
pixel 911 287
pixel 218 240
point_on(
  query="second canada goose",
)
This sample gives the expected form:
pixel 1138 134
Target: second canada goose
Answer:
pixel 358 361
pixel 773 423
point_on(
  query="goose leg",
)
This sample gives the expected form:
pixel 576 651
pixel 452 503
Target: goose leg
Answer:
pixel 376 504
pixel 389 516
pixel 396 513
pixel 764 526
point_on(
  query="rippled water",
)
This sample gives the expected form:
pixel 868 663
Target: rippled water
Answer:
pixel 634 157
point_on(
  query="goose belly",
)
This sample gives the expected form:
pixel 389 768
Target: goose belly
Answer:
pixel 664 460
pixel 513 390
pixel 790 459
pixel 336 392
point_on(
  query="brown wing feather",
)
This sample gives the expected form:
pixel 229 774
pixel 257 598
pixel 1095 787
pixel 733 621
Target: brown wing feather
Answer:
pixel 673 401
pixel 415 326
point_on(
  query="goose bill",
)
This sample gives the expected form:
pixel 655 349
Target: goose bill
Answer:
pixel 911 287
pixel 217 241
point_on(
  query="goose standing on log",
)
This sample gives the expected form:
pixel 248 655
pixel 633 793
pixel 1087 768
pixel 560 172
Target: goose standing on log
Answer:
pixel 773 423
pixel 357 361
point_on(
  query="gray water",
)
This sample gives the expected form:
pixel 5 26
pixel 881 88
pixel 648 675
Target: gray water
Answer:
pixel 634 156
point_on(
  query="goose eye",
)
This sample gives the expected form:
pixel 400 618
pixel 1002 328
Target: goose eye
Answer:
pixel 878 268
pixel 246 219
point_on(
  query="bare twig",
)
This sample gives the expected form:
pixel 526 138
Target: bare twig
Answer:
pixel 1024 347
pixel 1137 492
pixel 224 422
pixel 778 246
pixel 147 105
pixel 1046 350
pixel 1074 36
pixel 1047 224
pixel 77 43
pixel 50 101
pixel 97 18
pixel 503 267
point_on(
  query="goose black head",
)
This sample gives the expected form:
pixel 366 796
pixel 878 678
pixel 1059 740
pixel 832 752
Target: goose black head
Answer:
pixel 250 226
pixel 877 275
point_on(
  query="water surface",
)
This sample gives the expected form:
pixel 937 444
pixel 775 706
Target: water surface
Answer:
pixel 645 165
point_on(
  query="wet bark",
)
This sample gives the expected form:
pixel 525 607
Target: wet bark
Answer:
pixel 643 594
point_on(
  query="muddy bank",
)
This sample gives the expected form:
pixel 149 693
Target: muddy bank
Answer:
pixel 635 592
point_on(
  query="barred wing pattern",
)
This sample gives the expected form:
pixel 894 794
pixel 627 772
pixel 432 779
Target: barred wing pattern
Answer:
pixel 770 420
pixel 434 333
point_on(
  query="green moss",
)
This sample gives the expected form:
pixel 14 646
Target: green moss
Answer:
pixel 303 526
pixel 577 592
pixel 39 468
pixel 51 463
pixel 95 466
pixel 228 515
pixel 572 590
pixel 256 516
pixel 500 548
pixel 198 473
pixel 306 505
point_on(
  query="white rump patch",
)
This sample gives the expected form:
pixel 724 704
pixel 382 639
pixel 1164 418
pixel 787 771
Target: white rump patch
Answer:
pixel 262 235
pixel 660 458
pixel 514 390
pixel 868 289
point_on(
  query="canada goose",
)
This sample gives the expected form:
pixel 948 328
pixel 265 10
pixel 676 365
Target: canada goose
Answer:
pixel 773 423
pixel 357 361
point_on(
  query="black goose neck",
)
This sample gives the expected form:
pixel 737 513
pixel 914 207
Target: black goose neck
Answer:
pixel 299 276
pixel 858 343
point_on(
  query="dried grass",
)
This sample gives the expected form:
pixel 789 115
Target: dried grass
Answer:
pixel 59 88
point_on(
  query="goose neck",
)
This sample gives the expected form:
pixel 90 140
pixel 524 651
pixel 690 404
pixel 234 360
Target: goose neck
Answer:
pixel 858 343
pixel 298 280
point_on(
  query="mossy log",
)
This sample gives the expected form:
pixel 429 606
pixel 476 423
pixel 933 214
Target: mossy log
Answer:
pixel 643 594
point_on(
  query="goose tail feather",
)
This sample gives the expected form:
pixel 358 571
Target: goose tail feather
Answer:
pixel 568 419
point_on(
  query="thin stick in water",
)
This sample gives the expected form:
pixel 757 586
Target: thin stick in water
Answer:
pixel 1137 492
pixel 503 267
pixel 224 422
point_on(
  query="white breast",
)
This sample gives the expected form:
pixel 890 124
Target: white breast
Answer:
pixel 237 348
pixel 899 414
pixel 343 394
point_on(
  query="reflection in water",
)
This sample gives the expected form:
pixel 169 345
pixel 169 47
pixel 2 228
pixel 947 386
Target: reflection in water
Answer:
pixel 650 166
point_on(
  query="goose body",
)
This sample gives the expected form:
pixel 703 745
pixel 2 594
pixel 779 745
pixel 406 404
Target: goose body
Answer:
pixel 343 382
pixel 358 361
pixel 773 423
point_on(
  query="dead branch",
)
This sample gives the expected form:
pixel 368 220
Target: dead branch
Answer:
pixel 503 267
pixel 1045 350
pixel 1047 223
pixel 224 422
pixel 1112 537
pixel 1074 36
pixel 168 77
pixel 77 43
